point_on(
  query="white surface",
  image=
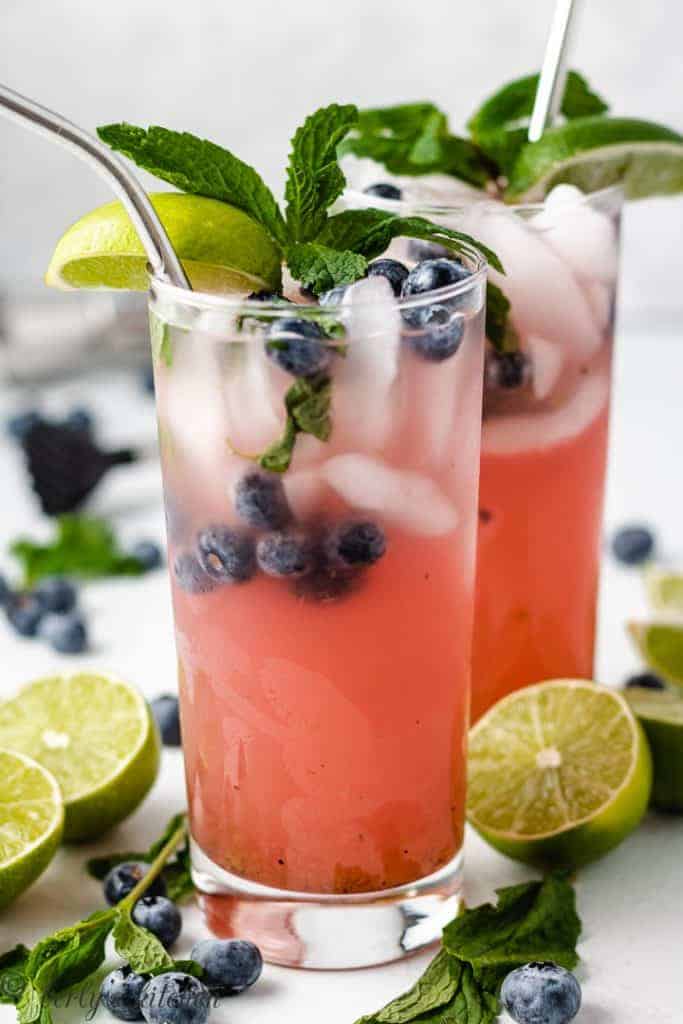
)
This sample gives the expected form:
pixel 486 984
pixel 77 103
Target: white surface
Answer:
pixel 630 902
pixel 244 74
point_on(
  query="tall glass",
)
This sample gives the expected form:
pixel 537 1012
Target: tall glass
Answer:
pixel 324 708
pixel 544 441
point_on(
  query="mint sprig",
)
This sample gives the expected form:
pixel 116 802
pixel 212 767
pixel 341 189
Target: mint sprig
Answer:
pixel 532 921
pixel 71 955
pixel 307 403
pixel 321 267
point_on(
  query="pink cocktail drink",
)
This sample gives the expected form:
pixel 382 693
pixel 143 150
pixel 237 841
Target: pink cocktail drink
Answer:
pixel 325 696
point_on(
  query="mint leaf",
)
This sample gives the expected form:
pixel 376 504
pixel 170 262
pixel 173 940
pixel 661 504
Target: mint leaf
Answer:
pixel 370 231
pixel 314 177
pixel 435 988
pixel 84 546
pixel 69 956
pixel 13 974
pixel 139 947
pixel 531 921
pixel 32 1006
pixel 413 139
pixel 278 456
pixel 308 404
pixel 200 167
pixel 499 328
pixel 321 267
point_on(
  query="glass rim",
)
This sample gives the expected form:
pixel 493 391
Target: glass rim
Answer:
pixel 236 305
pixel 445 209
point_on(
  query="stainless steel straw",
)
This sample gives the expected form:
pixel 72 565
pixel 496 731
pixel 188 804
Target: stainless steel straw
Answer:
pixel 554 71
pixel 160 253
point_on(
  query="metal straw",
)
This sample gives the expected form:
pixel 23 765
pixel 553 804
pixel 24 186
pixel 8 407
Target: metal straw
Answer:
pixel 554 71
pixel 160 253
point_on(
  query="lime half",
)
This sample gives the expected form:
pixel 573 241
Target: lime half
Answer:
pixel 661 715
pixel 558 773
pixel 31 822
pixel 665 591
pixel 660 644
pixel 96 736
pixel 220 247
pixel 594 152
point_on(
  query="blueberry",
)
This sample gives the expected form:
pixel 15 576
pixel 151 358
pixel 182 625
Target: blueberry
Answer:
pixel 383 189
pixel 260 501
pixel 507 370
pixel 437 332
pixel 334 296
pixel 79 419
pixel 352 545
pixel 191 574
pixel 56 594
pixel 633 544
pixel 175 998
pixel 287 554
pixel 66 633
pixel 541 993
pixel 647 680
pixel 296 346
pixel 226 554
pixel 18 426
pixel 121 991
pixel 419 249
pixel 147 553
pixel 428 276
pixel 5 591
pixel 160 916
pixel 230 965
pixel 167 716
pixel 392 270
pixel 123 878
pixel 24 612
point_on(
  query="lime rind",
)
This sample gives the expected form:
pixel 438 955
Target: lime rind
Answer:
pixel 661 716
pixel 31 823
pixel 559 773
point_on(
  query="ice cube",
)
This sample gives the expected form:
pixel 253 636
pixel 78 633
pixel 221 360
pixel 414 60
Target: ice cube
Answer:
pixel 412 501
pixel 363 388
pixel 254 393
pixel 600 301
pixel 193 408
pixel 547 362
pixel 506 435
pixel 547 301
pixel 582 236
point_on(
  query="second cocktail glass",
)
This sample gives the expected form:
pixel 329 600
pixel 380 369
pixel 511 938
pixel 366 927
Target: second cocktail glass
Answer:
pixel 323 615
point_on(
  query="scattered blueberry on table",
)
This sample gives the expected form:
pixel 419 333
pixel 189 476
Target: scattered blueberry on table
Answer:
pixel 230 965
pixel 633 545
pixel 167 716
pixel 175 998
pixel 160 916
pixel 121 991
pixel 24 612
pixel 56 594
pixel 66 633
pixel 541 993
pixel 148 553
pixel 123 878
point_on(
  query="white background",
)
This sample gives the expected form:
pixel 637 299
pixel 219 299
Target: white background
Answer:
pixel 245 72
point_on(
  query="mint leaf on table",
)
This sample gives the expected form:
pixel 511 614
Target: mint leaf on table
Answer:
pixel 32 1006
pixel 314 177
pixel 307 403
pixel 201 167
pixel 139 947
pixel 433 989
pixel 13 974
pixel 320 267
pixel 84 546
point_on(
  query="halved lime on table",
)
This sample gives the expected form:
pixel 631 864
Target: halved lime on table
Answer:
pixel 31 822
pixel 96 735
pixel 558 773
pixel 661 715
pixel 660 644
pixel 220 247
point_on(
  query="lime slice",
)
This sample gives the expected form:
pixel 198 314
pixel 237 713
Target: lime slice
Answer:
pixel 660 645
pixel 31 822
pixel 665 591
pixel 558 773
pixel 661 716
pixel 97 737
pixel 594 152
pixel 221 248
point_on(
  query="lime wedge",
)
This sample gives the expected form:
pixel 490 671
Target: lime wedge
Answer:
pixel 594 152
pixel 31 822
pixel 558 773
pixel 665 591
pixel 660 645
pixel 661 716
pixel 221 248
pixel 96 736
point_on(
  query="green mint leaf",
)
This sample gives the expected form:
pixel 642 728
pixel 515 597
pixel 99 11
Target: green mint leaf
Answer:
pixel 278 456
pixel 314 177
pixel 32 1007
pixel 579 100
pixel 308 403
pixel 531 921
pixel 370 231
pixel 13 974
pixel 200 167
pixel 71 955
pixel 84 546
pixel 139 947
pixel 433 989
pixel 321 267
pixel 499 328
pixel 414 139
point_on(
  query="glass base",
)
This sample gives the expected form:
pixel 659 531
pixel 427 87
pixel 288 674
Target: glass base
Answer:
pixel 299 929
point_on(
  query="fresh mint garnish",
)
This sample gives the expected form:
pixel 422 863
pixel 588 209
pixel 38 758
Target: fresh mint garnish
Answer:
pixel 531 921
pixel 321 267
pixel 84 546
pixel 307 403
